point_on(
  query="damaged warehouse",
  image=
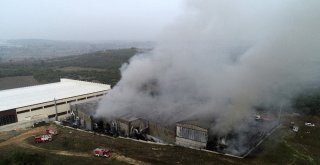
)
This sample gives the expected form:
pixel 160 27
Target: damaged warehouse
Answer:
pixel 130 126
pixel 195 133
pixel 84 113
pixel 192 134
pixel 138 128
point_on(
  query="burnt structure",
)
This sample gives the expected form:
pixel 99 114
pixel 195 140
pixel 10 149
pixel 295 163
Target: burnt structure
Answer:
pixel 192 133
pixel 130 126
pixel 84 113
pixel 161 133
pixel 197 134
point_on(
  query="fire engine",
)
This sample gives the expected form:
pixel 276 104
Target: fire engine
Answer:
pixel 104 152
pixel 43 138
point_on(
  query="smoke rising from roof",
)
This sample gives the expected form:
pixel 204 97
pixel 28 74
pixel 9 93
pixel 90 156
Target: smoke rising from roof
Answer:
pixel 219 60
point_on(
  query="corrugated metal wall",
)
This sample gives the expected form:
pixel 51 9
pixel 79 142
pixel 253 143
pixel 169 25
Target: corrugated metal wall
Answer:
pixel 192 134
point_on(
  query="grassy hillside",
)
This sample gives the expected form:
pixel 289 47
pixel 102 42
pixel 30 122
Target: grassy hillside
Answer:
pixel 21 49
pixel 101 66
pixel 15 82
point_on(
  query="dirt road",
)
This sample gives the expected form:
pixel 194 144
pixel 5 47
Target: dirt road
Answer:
pixel 22 137
pixel 20 141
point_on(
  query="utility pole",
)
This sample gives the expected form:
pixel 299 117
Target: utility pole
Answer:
pixel 55 105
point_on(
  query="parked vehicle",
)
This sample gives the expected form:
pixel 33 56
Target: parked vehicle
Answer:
pixel 295 128
pixel 43 138
pixel 101 152
pixel 39 124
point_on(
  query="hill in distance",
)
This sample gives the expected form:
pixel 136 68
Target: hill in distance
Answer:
pixel 21 49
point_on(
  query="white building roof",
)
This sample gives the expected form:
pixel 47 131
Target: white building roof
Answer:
pixel 20 97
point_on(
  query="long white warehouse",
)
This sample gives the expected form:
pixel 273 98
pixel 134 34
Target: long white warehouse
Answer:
pixel 48 101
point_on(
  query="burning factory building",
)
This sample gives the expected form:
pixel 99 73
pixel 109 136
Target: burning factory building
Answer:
pixel 199 135
pixel 82 115
pixel 130 126
pixel 220 64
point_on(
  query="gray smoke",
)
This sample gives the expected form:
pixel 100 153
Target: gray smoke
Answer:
pixel 219 60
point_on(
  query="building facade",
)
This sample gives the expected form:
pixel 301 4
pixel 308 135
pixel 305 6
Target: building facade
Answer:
pixel 163 134
pixel 48 101
pixel 85 111
pixel 192 134
pixel 126 124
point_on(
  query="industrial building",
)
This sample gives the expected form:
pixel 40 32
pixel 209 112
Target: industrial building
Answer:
pixel 84 112
pixel 162 133
pixel 126 124
pixel 192 133
pixel 49 101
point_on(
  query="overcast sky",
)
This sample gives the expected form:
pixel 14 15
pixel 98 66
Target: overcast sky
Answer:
pixel 86 19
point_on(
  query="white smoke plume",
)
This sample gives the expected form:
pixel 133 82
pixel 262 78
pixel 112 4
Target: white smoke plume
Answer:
pixel 219 60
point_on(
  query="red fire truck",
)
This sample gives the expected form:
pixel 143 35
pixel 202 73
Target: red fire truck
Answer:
pixel 43 138
pixel 103 152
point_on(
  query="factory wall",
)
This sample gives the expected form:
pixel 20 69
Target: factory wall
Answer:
pixel 190 143
pixel 48 109
pixel 139 123
pixel 161 132
pixel 125 126
pixel 191 136
pixel 85 120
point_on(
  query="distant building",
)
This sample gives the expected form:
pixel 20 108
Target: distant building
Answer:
pixel 192 133
pixel 45 102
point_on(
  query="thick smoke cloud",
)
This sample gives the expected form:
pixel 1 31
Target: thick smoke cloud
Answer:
pixel 219 60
